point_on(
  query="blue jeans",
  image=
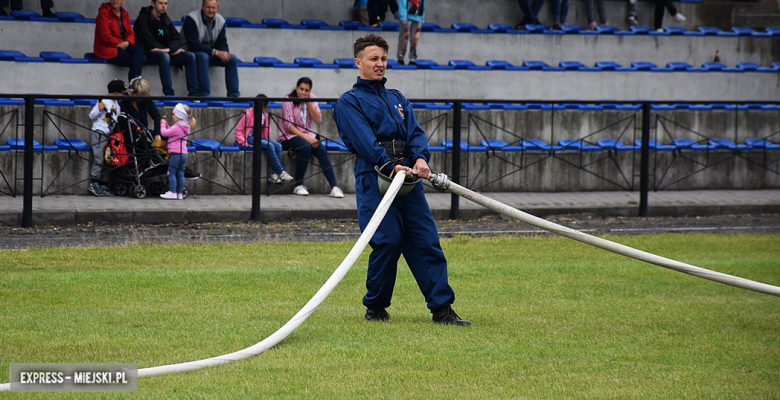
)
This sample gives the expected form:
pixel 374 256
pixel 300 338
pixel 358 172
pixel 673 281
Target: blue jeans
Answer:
pixel 274 154
pixel 204 61
pixel 165 61
pixel 133 57
pixel 530 9
pixel 560 10
pixel 176 164
pixel 305 151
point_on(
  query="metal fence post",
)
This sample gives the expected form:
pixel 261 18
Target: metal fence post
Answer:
pixel 644 169
pixel 27 207
pixel 256 160
pixel 456 121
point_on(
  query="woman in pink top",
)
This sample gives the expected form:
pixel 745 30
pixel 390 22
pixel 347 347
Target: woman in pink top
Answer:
pixel 295 133
pixel 177 149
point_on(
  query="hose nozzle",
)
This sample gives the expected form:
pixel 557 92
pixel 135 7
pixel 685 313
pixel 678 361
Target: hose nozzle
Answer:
pixel 440 181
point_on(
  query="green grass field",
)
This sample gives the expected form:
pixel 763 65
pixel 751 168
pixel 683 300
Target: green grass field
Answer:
pixel 552 318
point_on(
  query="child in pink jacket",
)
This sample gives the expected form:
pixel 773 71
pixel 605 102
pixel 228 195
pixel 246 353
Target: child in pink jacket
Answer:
pixel 177 149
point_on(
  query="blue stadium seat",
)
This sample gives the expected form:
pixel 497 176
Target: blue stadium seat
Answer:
pixel 205 144
pixel 18 56
pixel 393 64
pixel 653 145
pixel 760 144
pixel 27 15
pixel 65 16
pixel 537 145
pixel 5 147
pixel 345 62
pixel 648 66
pixel 641 30
pixel 495 144
pixel 320 24
pixel 229 149
pixel 536 28
pixel 690 144
pixel 430 64
pixel 18 144
pixel 233 22
pixel 717 66
pixel 311 62
pixel 54 102
pixel 72 144
pixel 606 30
pixel 613 66
pixel 727 144
pixel 93 59
pixel 280 23
pixel 576 144
pixel 745 31
pixel 273 62
pixel 535 65
pixel 11 102
pixel 431 27
pixel 504 28
pixel 390 26
pixel 504 65
pixel 613 144
pixel 357 26
pixel 571 29
pixel 466 27
pixel 228 104
pixel 334 145
pixel 466 64
pixel 475 106
pixel 60 57
pixel 431 106
pixel 577 66
pixel 448 144
pixel 684 66
pixel 754 67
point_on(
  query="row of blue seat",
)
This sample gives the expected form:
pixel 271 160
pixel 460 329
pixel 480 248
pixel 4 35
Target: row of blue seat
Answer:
pixel 448 145
pixel 434 106
pixel 279 23
pixel 500 65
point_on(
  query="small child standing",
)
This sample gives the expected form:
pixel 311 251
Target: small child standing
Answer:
pixel 104 116
pixel 411 14
pixel 177 148
pixel 245 137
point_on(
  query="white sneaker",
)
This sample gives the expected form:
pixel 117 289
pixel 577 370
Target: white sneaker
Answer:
pixel 632 20
pixel 285 176
pixel 337 193
pixel 274 178
pixel 300 190
pixel 169 196
pixel 179 196
pixel 679 17
pixel 659 30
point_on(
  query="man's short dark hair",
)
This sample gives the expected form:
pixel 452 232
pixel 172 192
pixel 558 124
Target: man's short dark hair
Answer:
pixel 369 40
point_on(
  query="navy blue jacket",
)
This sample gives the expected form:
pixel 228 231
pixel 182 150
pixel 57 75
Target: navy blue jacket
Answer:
pixel 368 113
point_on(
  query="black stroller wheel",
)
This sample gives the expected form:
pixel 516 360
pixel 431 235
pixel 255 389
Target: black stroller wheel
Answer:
pixel 139 192
pixel 157 188
pixel 185 192
pixel 120 189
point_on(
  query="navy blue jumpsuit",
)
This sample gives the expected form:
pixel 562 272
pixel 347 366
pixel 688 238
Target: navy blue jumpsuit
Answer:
pixel 365 114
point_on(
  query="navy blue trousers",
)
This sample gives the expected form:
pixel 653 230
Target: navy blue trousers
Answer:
pixel 408 229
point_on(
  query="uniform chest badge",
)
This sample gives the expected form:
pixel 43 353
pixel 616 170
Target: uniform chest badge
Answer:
pixel 400 110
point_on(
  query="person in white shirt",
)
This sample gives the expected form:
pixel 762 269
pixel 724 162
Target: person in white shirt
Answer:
pixel 104 116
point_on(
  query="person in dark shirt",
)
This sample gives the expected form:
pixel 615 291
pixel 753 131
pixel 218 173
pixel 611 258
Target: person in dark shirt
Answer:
pixel 164 46
pixel 204 32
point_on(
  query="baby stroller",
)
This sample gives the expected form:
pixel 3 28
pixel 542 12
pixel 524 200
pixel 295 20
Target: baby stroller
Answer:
pixel 142 170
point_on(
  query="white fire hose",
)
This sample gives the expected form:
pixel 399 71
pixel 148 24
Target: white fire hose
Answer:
pixel 298 318
pixel 441 182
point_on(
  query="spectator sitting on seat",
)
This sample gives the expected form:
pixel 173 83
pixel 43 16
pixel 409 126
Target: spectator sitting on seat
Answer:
pixel 560 12
pixel 658 21
pixel 245 136
pixel 115 39
pixel 530 10
pixel 204 32
pixel 295 133
pixel 16 5
pixel 361 11
pixel 164 46
pixel 142 109
pixel 602 14
pixel 411 16
pixel 104 116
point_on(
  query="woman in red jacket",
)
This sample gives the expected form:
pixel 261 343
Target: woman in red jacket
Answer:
pixel 115 39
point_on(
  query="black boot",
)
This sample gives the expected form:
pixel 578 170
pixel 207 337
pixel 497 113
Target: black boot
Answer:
pixel 446 315
pixel 48 13
pixel 3 13
pixel 377 315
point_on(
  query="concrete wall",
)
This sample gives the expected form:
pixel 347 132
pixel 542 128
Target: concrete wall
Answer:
pixel 76 39
pixel 229 173
pixel 418 84
pixel 442 12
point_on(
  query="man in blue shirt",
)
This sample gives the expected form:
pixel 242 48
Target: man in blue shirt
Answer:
pixel 379 126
